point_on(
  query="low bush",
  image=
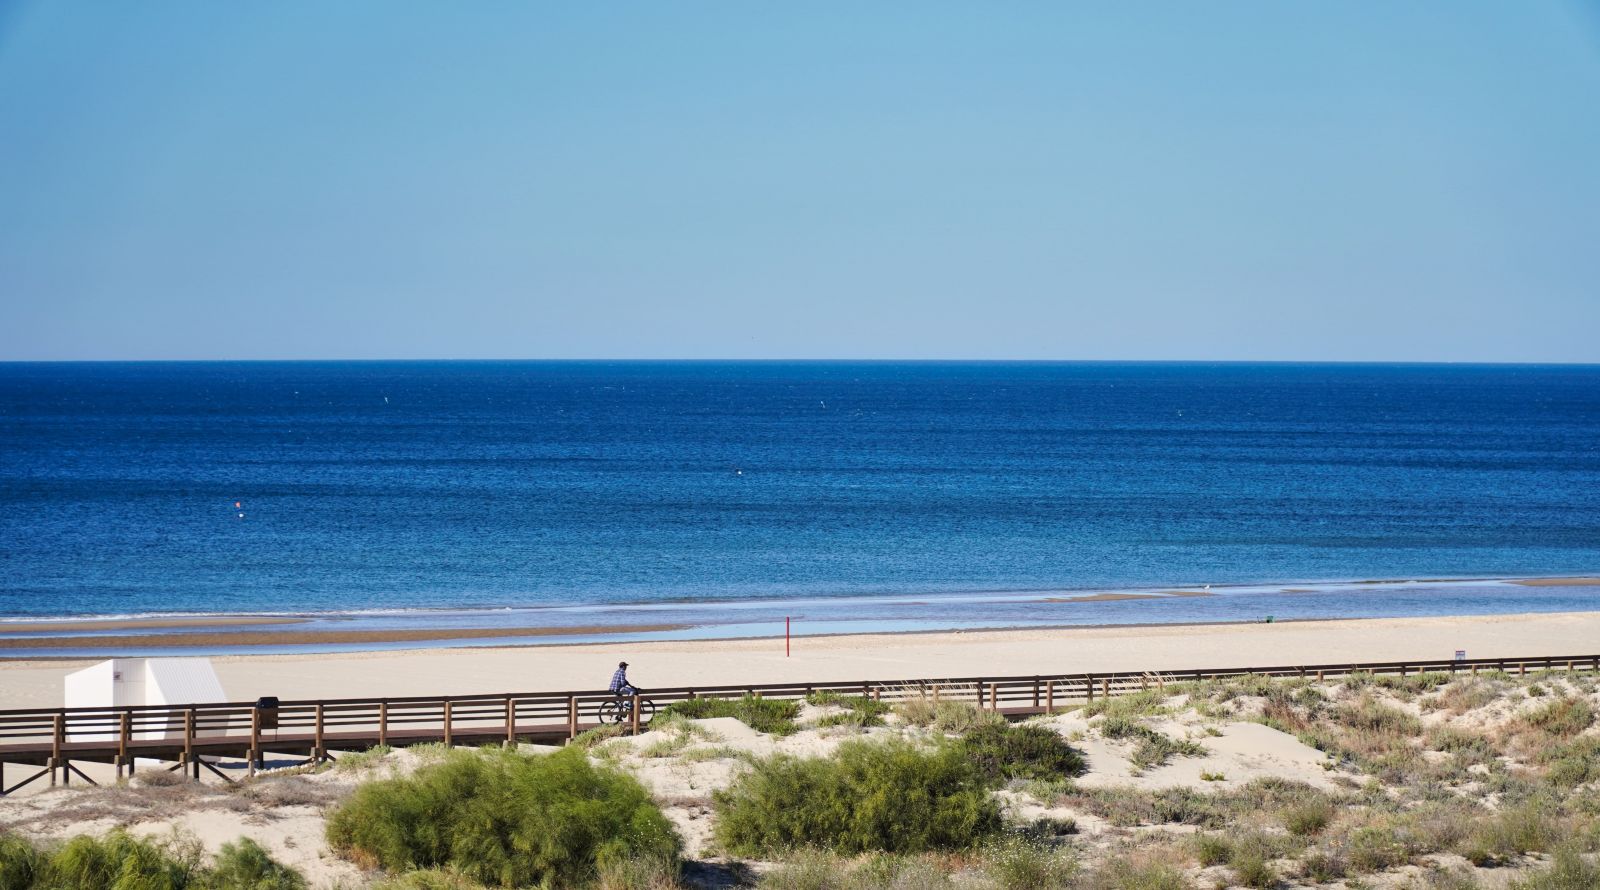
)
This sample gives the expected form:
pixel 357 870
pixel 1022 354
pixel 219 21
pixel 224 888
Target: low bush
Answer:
pixel 1136 705
pixel 427 879
pixel 244 865
pixel 1210 849
pixel 1250 868
pixel 20 863
pixel 769 715
pixel 121 861
pixel 1131 873
pixel 1374 848
pixel 1002 752
pixel 1568 871
pixel 361 761
pixel 818 870
pixel 1562 717
pixel 860 711
pixel 1509 834
pixel 1020 864
pixel 870 796
pixel 1308 818
pixel 502 818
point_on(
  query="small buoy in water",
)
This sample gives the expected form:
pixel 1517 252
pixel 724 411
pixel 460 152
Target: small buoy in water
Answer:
pixel 738 472
pixel 241 515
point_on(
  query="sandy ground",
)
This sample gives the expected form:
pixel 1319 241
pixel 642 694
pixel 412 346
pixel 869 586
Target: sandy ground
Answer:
pixel 32 684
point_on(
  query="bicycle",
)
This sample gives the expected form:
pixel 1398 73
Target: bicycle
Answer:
pixel 620 710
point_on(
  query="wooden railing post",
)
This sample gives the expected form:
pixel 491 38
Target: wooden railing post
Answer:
pixel 449 736
pixel 124 736
pixel 511 721
pixel 1036 693
pixel 994 697
pixel 58 736
pixel 255 739
pixel 572 717
pixel 383 722
pixel 634 714
pixel 190 761
pixel 1050 696
pixel 1088 685
pixel 318 750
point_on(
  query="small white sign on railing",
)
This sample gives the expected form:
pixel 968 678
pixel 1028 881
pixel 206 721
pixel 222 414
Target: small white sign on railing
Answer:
pixel 1461 655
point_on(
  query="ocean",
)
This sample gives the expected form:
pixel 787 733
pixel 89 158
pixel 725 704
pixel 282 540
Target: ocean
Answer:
pixel 712 498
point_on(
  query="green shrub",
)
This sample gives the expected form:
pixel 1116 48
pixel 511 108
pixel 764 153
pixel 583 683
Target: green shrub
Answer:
pixel 818 870
pixel 1211 849
pixel 1568 871
pixel 871 796
pixel 959 717
pixel 1308 818
pixel 427 879
pixel 1506 835
pixel 637 874
pixel 1562 717
pixel 120 861
pixel 1248 862
pixel 20 863
pixel 1018 864
pixel 1573 763
pixel 769 715
pixel 506 819
pixel 1324 866
pixel 361 761
pixel 1375 848
pixel 1125 807
pixel 244 865
pixel 1135 705
pixel 593 738
pixel 1128 873
pixel 858 709
pixel 124 862
pixel 1002 751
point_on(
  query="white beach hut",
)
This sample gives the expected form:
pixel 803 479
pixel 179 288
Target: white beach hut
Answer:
pixel 126 682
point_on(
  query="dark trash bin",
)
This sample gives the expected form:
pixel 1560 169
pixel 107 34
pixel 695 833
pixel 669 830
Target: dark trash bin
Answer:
pixel 267 710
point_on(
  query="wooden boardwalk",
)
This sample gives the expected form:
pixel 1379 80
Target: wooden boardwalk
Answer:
pixel 48 742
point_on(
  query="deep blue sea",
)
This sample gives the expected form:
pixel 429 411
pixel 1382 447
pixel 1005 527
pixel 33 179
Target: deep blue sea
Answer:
pixel 853 495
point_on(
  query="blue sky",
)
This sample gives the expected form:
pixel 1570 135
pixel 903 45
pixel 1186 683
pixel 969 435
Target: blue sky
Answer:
pixel 1281 181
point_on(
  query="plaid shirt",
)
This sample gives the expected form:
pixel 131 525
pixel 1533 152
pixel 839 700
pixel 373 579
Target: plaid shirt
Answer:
pixel 619 680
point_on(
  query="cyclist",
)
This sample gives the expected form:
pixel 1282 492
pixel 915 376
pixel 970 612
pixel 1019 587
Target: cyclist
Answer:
pixel 620 686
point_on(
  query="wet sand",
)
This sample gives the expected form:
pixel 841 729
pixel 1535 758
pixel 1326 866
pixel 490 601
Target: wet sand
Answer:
pixel 1559 582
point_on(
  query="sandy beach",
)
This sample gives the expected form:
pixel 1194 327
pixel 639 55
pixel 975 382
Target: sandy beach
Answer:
pixel 29 684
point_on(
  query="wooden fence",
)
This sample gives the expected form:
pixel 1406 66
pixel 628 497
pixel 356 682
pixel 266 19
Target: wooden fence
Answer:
pixel 196 736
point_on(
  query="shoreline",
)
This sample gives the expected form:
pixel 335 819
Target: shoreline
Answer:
pixel 230 634
pixel 23 623
pixel 37 683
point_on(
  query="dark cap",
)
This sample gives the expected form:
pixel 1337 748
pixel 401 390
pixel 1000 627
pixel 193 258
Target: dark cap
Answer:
pixel 622 664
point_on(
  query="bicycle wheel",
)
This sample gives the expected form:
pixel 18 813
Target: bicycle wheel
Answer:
pixel 611 712
pixel 647 709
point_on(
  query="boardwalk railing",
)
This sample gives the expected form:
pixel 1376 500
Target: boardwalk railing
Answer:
pixel 196 736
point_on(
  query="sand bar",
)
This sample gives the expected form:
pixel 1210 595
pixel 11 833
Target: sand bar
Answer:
pixel 120 624
pixel 212 641
pixel 865 657
pixel 1559 582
